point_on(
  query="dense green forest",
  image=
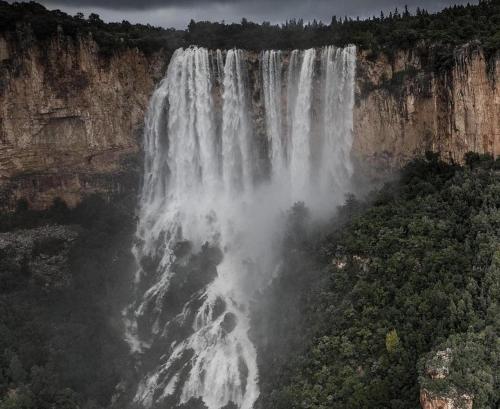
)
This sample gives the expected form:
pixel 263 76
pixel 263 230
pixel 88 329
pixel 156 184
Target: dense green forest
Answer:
pixel 364 302
pixel 61 338
pixel 453 26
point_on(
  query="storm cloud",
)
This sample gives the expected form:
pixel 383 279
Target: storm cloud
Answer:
pixel 177 13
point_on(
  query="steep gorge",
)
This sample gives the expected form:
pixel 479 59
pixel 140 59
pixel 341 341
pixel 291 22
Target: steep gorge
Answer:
pixel 72 124
pixel 71 119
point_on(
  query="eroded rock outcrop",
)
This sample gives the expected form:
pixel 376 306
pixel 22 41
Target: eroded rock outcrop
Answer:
pixel 69 118
pixel 405 108
pixel 430 401
pixel 437 370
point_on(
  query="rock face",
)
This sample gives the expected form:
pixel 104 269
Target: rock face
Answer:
pixel 438 370
pixel 71 120
pixel 429 401
pixel 40 253
pixel 404 108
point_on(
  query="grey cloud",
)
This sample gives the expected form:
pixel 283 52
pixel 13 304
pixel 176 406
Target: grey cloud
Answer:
pixel 135 4
pixel 352 6
pixel 177 13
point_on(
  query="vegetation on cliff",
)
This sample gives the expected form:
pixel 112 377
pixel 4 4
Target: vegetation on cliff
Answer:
pixel 25 21
pixel 61 341
pixel 362 305
pixel 453 26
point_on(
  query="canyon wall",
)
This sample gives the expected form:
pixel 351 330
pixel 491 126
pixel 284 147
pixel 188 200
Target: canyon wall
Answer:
pixel 404 108
pixel 71 120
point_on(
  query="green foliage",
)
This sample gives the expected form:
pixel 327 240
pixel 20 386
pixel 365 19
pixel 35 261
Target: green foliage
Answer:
pixel 60 346
pixel 16 371
pixel 445 30
pixel 451 27
pixel 420 256
pixel 473 369
pixel 25 19
pixel 391 341
pixel 17 399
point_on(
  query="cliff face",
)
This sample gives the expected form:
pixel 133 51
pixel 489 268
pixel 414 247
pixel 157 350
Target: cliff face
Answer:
pixel 71 120
pixel 404 109
pixel 450 400
pixel 430 401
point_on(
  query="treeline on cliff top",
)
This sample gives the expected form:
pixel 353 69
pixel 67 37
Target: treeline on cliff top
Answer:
pixel 452 26
pixel 364 303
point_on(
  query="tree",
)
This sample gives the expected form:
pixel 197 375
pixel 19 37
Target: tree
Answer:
pixel 392 341
pixel 95 19
pixel 16 371
pixel 17 399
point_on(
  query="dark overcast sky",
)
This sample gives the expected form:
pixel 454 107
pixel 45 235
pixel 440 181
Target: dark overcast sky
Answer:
pixel 177 13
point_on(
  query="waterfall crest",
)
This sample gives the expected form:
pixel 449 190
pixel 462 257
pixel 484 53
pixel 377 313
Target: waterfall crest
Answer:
pixel 208 225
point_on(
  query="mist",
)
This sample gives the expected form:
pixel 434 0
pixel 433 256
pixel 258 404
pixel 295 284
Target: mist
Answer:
pixel 218 177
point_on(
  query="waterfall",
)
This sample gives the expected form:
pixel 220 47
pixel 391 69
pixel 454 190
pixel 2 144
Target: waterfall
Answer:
pixel 271 86
pixel 208 226
pixel 338 71
pixel 300 158
pixel 236 136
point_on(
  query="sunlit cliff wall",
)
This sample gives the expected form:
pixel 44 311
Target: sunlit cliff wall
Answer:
pixel 404 108
pixel 71 119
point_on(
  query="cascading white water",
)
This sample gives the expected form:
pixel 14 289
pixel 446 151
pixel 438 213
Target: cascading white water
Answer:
pixel 271 87
pixel 338 102
pixel 300 157
pixel 236 135
pixel 190 321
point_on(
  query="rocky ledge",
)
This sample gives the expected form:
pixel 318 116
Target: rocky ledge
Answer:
pixel 41 253
pixel 438 370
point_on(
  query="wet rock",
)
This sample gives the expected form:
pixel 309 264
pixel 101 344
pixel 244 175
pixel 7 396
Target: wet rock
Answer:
pixel 229 322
